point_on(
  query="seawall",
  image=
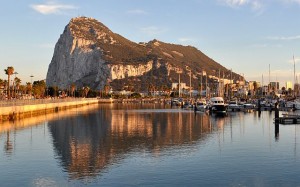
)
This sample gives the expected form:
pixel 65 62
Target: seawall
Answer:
pixel 16 110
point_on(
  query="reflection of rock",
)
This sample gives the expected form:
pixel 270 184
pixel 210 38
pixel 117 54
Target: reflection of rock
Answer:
pixel 87 144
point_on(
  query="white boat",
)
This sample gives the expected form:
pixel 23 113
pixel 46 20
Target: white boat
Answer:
pixel 234 106
pixel 293 104
pixel 217 105
pixel 201 105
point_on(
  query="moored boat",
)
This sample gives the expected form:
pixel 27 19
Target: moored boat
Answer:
pixel 217 105
pixel 234 106
pixel 201 105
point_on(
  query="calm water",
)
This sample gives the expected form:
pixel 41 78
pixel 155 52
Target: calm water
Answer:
pixel 148 145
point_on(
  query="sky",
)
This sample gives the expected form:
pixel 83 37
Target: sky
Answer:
pixel 247 36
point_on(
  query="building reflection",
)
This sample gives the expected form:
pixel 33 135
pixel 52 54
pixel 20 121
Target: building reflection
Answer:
pixel 88 144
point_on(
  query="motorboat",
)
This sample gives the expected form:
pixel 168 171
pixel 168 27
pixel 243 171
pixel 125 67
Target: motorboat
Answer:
pixel 201 105
pixel 295 104
pixel 217 105
pixel 234 106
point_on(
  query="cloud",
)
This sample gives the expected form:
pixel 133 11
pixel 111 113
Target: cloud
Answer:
pixel 286 38
pixel 233 3
pixel 185 39
pixel 152 30
pixel 52 8
pixel 137 11
pixel 291 61
pixel 265 45
pixel 254 4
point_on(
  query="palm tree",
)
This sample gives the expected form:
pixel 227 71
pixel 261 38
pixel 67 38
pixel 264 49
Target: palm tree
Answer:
pixel 17 82
pixel 86 90
pixel 5 84
pixel 28 87
pixel 1 85
pixel 254 87
pixel 283 89
pixel 9 71
pixel 106 89
pixel 73 87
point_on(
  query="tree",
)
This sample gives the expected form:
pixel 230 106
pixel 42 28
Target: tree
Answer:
pixel 283 89
pixel 106 89
pixel 1 82
pixel 28 87
pixel 9 71
pixel 290 91
pixel 17 83
pixel 86 90
pixel 73 87
pixel 39 88
pixel 151 89
pixel 254 87
pixel 1 86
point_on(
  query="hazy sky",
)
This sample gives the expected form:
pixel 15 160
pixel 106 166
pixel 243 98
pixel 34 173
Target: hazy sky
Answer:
pixel 243 35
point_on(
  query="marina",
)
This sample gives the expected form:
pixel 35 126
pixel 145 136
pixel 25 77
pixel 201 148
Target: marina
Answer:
pixel 137 94
pixel 117 144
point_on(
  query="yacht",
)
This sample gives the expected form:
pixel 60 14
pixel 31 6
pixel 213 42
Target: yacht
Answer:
pixel 217 105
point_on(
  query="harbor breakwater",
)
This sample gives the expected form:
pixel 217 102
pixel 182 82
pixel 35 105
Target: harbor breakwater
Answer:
pixel 12 110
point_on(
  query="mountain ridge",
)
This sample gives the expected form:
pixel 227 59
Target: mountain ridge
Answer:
pixel 89 54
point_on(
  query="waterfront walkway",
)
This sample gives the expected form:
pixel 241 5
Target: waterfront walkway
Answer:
pixel 14 109
pixel 21 102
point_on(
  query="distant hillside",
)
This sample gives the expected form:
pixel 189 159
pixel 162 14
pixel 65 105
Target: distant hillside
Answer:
pixel 90 54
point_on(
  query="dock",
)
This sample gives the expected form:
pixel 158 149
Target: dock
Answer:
pixel 289 119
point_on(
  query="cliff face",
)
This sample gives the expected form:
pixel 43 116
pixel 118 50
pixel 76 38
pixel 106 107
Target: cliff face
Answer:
pixel 89 54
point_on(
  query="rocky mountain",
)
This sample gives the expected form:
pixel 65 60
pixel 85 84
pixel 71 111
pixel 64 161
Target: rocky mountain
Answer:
pixel 90 54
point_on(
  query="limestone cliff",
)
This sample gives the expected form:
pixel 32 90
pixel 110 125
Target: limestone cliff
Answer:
pixel 89 54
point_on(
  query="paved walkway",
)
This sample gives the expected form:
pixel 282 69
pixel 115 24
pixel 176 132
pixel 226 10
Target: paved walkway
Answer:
pixel 18 102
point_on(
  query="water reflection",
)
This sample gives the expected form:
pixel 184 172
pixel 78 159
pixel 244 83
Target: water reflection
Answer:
pixel 87 144
pixel 9 128
pixel 140 145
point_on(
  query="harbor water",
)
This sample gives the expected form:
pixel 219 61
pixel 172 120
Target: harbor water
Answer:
pixel 148 145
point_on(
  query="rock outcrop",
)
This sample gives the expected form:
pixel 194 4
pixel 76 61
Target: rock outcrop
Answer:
pixel 89 54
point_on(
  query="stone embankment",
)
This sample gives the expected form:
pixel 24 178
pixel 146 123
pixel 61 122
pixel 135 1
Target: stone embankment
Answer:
pixel 15 109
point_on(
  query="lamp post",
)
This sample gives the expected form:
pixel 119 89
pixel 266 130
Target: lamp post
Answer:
pixel 31 78
pixel 179 71
pixel 31 83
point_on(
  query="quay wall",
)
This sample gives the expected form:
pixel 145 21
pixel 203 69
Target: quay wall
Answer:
pixel 15 111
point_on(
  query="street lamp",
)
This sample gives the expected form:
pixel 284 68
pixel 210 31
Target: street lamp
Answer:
pixel 31 83
pixel 179 71
pixel 31 78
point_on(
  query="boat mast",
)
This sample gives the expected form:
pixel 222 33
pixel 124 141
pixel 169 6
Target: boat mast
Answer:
pixel 219 90
pixel 190 83
pixel 262 83
pixel 294 73
pixel 201 84
pixel 269 85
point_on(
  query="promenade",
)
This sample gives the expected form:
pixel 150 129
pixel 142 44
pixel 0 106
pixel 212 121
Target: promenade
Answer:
pixel 14 109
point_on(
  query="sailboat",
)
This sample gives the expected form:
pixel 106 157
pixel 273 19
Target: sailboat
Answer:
pixel 295 104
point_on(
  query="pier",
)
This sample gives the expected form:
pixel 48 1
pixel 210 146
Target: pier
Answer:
pixel 289 119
